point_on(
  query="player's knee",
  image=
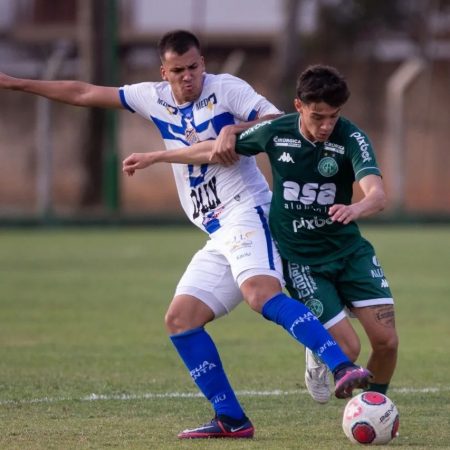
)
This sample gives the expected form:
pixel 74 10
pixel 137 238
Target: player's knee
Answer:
pixel 387 344
pixel 177 323
pixel 257 290
pixel 257 298
pixel 184 316
pixel 173 323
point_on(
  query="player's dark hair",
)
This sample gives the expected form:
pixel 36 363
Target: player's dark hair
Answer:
pixel 321 83
pixel 178 41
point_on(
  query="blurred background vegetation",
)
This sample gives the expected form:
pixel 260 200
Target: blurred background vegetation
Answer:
pixel 60 163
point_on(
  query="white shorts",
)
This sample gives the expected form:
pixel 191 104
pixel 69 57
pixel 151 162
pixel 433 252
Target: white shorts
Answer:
pixel 241 249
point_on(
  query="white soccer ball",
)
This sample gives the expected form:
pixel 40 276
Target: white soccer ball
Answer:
pixel 370 418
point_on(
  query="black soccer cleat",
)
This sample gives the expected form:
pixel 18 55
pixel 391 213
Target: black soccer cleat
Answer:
pixel 219 429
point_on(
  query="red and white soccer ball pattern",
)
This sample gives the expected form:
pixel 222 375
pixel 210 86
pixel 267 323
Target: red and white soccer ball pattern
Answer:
pixel 370 418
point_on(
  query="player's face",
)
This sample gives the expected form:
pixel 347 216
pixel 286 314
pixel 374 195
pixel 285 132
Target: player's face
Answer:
pixel 317 119
pixel 184 74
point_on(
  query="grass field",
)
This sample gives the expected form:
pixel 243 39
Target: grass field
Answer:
pixel 85 362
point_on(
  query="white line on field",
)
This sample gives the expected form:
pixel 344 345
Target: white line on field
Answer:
pixel 151 395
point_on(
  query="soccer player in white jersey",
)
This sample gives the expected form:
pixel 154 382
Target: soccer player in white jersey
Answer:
pixel 230 204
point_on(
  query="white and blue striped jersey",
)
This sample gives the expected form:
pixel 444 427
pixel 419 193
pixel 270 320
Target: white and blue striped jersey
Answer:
pixel 210 194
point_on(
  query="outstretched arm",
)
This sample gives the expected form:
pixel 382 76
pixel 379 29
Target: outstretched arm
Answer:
pixel 373 201
pixel 77 93
pixel 195 154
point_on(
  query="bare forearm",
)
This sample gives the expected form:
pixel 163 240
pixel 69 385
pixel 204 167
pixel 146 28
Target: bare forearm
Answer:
pixel 371 204
pixel 196 154
pixel 240 127
pixel 73 92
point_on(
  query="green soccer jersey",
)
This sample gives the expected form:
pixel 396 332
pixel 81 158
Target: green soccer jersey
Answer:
pixel 308 178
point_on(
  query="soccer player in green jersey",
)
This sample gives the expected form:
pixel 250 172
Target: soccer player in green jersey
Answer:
pixel 316 156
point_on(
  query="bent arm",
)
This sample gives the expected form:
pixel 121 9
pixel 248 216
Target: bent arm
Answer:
pixel 373 201
pixel 196 154
pixel 223 151
pixel 77 93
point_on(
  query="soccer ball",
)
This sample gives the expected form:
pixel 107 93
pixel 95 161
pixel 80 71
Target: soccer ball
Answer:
pixel 370 418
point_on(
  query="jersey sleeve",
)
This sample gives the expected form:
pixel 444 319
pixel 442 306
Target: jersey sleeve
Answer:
pixel 362 155
pixel 254 140
pixel 138 97
pixel 244 102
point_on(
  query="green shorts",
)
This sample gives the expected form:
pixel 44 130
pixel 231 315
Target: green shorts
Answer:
pixel 356 280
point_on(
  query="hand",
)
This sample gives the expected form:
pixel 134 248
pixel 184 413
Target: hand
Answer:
pixel 344 213
pixel 5 81
pixel 137 161
pixel 223 150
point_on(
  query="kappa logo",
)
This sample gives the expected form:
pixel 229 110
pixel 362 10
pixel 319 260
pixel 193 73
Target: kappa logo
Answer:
pixel 384 283
pixel 286 157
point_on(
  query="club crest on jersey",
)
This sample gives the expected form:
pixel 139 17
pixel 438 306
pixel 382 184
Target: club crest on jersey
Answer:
pixel 190 133
pixel 328 167
pixel 191 136
pixel 315 306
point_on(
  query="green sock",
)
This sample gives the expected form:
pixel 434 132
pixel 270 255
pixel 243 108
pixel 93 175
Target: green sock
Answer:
pixel 375 387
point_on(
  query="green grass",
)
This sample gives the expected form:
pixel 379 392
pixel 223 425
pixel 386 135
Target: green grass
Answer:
pixel 81 313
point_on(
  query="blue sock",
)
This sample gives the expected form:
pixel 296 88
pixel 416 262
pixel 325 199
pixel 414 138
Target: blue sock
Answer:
pixel 304 326
pixel 200 355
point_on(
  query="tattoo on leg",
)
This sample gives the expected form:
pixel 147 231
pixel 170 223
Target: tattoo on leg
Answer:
pixel 385 315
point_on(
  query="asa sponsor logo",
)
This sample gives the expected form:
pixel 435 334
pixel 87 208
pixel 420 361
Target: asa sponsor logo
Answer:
pixel 286 142
pixel 363 145
pixel 328 167
pixel 309 193
pixel 335 148
pixel 254 128
pixel 310 224
pixel 286 157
